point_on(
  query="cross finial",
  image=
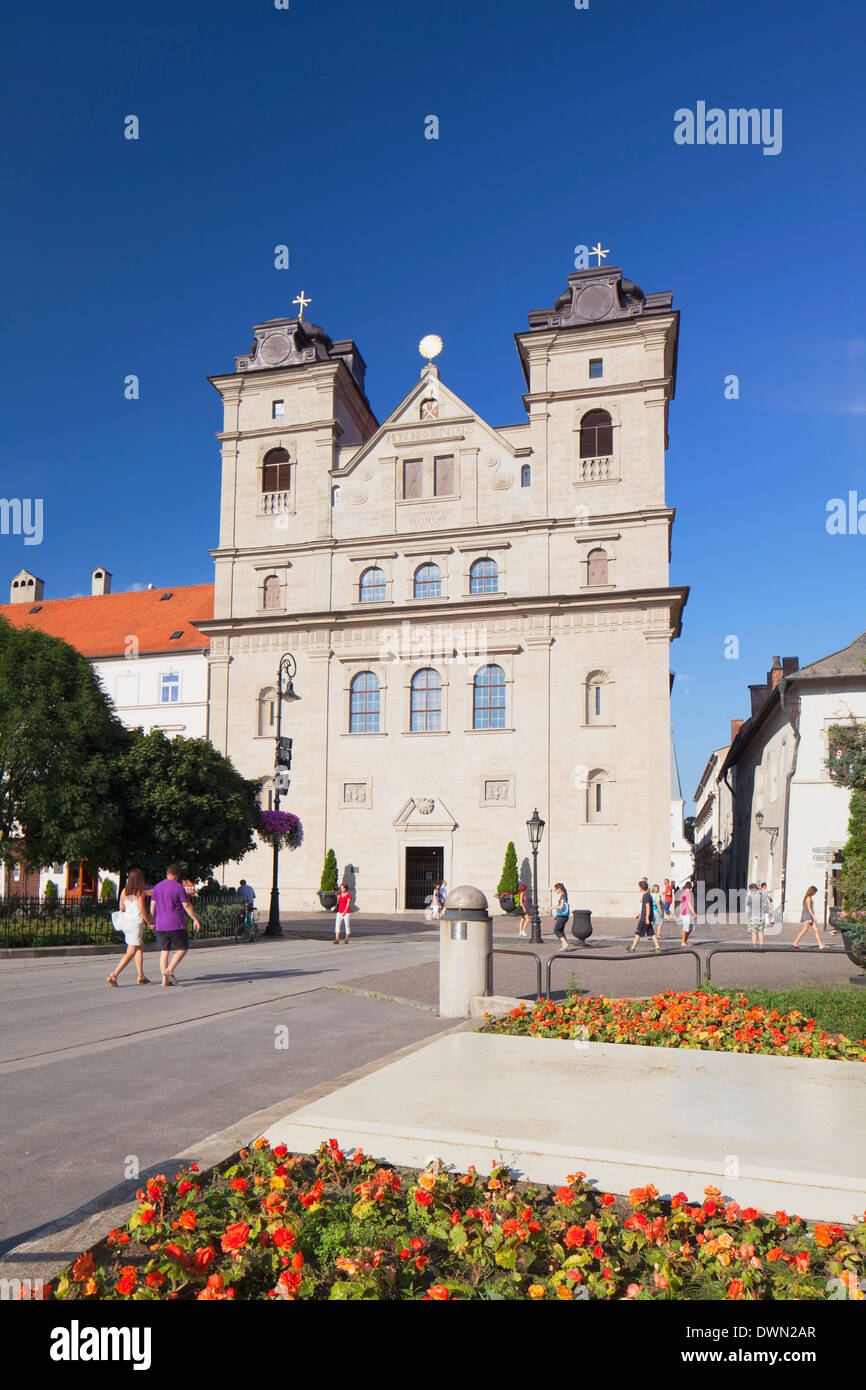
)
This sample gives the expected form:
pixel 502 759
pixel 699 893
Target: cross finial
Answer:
pixel 299 299
pixel 597 251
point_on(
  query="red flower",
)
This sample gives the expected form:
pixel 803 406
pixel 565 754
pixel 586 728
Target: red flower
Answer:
pixel 283 1238
pixel 202 1258
pixel 235 1236
pixel 184 1187
pixel 297 1261
pixel 417 1243
pixel 147 1216
pixel 126 1285
pixel 574 1237
pixel 736 1289
pixel 421 1261
pixel 239 1184
pixel 607 1199
pixel 801 1260
pixel 438 1291
pixel 155 1279
pixel 187 1220
pixel 423 1198
pixel 564 1196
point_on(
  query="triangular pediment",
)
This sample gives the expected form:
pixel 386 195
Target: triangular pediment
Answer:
pixel 425 813
pixel 404 427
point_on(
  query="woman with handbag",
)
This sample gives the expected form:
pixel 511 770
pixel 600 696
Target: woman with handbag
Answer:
pixel 132 919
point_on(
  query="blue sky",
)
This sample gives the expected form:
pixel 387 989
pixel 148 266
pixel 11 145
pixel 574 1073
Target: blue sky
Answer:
pixel 306 127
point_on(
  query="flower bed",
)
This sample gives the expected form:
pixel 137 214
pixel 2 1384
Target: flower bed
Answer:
pixel 706 1022
pixel 337 1226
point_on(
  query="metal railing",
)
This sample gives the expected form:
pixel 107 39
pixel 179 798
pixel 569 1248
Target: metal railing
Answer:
pixel 29 922
pixel 763 951
pixel 582 955
pixel 513 951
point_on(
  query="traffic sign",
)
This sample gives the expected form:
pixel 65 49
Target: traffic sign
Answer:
pixel 822 849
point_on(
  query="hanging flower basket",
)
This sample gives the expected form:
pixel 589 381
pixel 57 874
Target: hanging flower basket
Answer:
pixel 281 828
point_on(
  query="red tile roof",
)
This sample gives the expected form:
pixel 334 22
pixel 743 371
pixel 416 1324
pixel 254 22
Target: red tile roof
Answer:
pixel 103 626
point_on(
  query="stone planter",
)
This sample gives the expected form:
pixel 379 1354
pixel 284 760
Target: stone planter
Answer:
pixel 508 903
pixel 855 953
pixel 328 901
pixel 581 924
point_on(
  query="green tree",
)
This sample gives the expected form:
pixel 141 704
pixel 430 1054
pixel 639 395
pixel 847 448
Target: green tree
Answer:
pixel 509 881
pixel 186 804
pixel 847 767
pixel 328 881
pixel 689 829
pixel 60 749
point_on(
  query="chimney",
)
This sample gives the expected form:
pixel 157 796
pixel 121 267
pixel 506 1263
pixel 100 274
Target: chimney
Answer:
pixel 100 582
pixel 790 664
pixel 774 675
pixel 26 588
pixel 757 695
pixel 736 726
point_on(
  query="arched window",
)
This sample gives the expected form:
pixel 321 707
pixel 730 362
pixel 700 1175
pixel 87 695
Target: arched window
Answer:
pixel 364 704
pixel 276 470
pixel 484 577
pixel 597 699
pixel 335 495
pixel 596 434
pixel 526 475
pixel 596 567
pixel 425 701
pixel 267 714
pixel 372 588
pixel 271 592
pixel 597 795
pixel 427 582
pixel 488 698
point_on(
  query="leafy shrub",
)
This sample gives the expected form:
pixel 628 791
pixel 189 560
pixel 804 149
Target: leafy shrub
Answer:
pixel 509 881
pixel 108 891
pixel 328 882
pixel 50 894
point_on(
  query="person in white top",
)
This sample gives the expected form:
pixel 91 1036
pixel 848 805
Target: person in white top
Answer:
pixel 132 919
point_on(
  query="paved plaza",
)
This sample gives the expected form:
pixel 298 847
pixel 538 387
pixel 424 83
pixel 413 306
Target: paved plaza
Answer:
pixel 95 1079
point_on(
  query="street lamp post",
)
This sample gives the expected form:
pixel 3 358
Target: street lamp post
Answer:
pixel 283 757
pixel 535 826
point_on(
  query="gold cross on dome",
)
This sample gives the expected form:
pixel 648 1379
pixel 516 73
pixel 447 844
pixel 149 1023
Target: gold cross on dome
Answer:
pixel 597 251
pixel 299 299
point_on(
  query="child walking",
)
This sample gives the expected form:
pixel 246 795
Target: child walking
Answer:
pixel 344 907
pixel 687 913
pixel 755 909
pixel 562 914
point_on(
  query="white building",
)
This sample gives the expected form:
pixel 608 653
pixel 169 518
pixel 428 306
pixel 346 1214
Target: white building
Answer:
pixel 785 805
pixel 481 616
pixel 148 654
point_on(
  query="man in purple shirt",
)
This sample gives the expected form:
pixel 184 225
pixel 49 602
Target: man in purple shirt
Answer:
pixel 170 908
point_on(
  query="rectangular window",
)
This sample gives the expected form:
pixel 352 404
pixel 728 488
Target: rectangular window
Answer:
pixel 597 701
pixel 413 477
pixel 277 408
pixel 598 797
pixel 443 476
pixel 169 690
pixel 596 367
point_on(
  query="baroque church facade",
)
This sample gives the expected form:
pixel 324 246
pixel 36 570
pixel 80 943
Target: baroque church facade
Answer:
pixel 481 616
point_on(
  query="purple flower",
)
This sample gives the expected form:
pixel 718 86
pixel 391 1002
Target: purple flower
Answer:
pixel 282 827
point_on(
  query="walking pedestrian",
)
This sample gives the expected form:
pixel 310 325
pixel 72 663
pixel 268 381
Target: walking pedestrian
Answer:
pixel 644 918
pixel 560 921
pixel 171 909
pixel 344 907
pixel 769 911
pixel 755 914
pixel 441 895
pixel 667 898
pixel 687 912
pixel 657 910
pixel 808 918
pixel 525 920
pixel 131 919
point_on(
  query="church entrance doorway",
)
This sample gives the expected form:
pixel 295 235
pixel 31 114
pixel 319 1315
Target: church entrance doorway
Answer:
pixel 424 869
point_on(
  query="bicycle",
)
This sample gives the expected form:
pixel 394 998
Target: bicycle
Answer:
pixel 246 925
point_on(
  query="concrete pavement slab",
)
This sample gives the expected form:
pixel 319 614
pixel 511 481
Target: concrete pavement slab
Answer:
pixel 773 1132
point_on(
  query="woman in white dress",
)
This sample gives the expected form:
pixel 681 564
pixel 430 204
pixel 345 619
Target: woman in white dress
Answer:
pixel 132 919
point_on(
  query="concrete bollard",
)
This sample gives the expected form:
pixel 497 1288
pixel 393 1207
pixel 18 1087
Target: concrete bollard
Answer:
pixel 465 940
